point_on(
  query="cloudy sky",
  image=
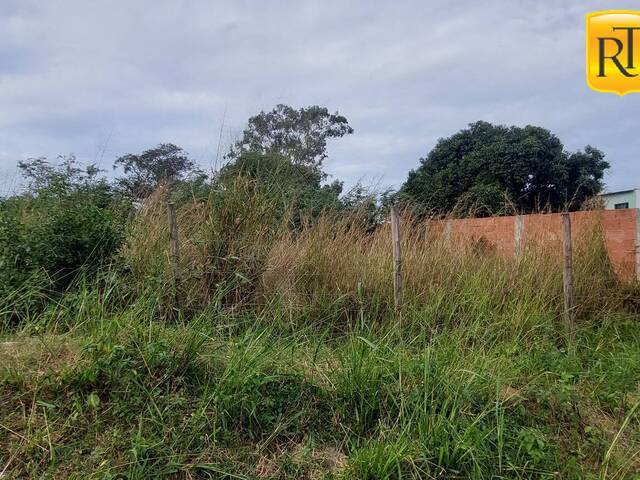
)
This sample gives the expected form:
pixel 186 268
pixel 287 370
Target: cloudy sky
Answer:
pixel 104 78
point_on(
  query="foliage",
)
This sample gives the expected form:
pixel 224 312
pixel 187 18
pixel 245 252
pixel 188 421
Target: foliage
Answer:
pixel 497 170
pixel 287 357
pixel 297 189
pixel 298 365
pixel 299 135
pixel 164 164
pixel 264 393
pixel 67 176
pixel 68 221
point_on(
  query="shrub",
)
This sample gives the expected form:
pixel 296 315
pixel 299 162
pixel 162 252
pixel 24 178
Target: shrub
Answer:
pixel 66 223
pixel 59 237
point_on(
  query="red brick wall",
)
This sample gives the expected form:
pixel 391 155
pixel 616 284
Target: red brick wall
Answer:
pixel 618 226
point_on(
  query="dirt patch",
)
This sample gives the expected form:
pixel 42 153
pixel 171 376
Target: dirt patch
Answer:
pixel 38 355
pixel 311 463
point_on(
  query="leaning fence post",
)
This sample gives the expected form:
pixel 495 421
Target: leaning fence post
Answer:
pixel 174 249
pixel 397 259
pixel 567 276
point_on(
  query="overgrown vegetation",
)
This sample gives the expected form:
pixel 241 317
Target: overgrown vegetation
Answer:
pixel 281 354
pixel 68 223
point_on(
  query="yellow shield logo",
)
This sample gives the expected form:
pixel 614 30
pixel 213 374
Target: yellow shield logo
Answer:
pixel 613 51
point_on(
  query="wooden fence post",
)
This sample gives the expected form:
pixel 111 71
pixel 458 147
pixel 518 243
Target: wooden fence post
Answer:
pixel 397 258
pixel 174 249
pixel 517 234
pixel 567 276
pixel 447 232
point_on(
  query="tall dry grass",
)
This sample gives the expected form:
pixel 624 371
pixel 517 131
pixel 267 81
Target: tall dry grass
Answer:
pixel 237 252
pixel 445 281
pixel 470 379
pixel 223 243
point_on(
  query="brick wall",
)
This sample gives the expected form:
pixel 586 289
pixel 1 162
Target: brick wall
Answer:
pixel 508 234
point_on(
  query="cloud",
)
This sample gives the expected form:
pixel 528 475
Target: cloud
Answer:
pixel 77 76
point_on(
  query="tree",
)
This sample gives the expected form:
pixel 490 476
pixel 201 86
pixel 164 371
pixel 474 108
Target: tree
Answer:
pixel 65 178
pixel 496 169
pixel 298 192
pixel 299 135
pixel 42 175
pixel 292 188
pixel 164 164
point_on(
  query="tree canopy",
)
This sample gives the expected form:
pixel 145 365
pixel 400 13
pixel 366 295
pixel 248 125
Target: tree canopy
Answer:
pixel 299 135
pixel 165 163
pixel 494 169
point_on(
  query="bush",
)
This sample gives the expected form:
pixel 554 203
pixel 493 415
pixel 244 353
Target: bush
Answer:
pixel 67 223
pixel 60 237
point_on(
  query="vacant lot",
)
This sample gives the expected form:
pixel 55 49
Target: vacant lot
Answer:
pixel 287 359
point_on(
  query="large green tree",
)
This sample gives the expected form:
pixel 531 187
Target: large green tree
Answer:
pixel 299 135
pixel 492 169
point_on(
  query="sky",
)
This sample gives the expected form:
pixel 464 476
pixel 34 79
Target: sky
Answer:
pixel 99 79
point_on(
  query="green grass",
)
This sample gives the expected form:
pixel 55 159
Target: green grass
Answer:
pixel 287 358
pixel 97 391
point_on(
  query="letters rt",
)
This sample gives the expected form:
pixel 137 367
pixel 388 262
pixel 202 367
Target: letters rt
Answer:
pixel 613 52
